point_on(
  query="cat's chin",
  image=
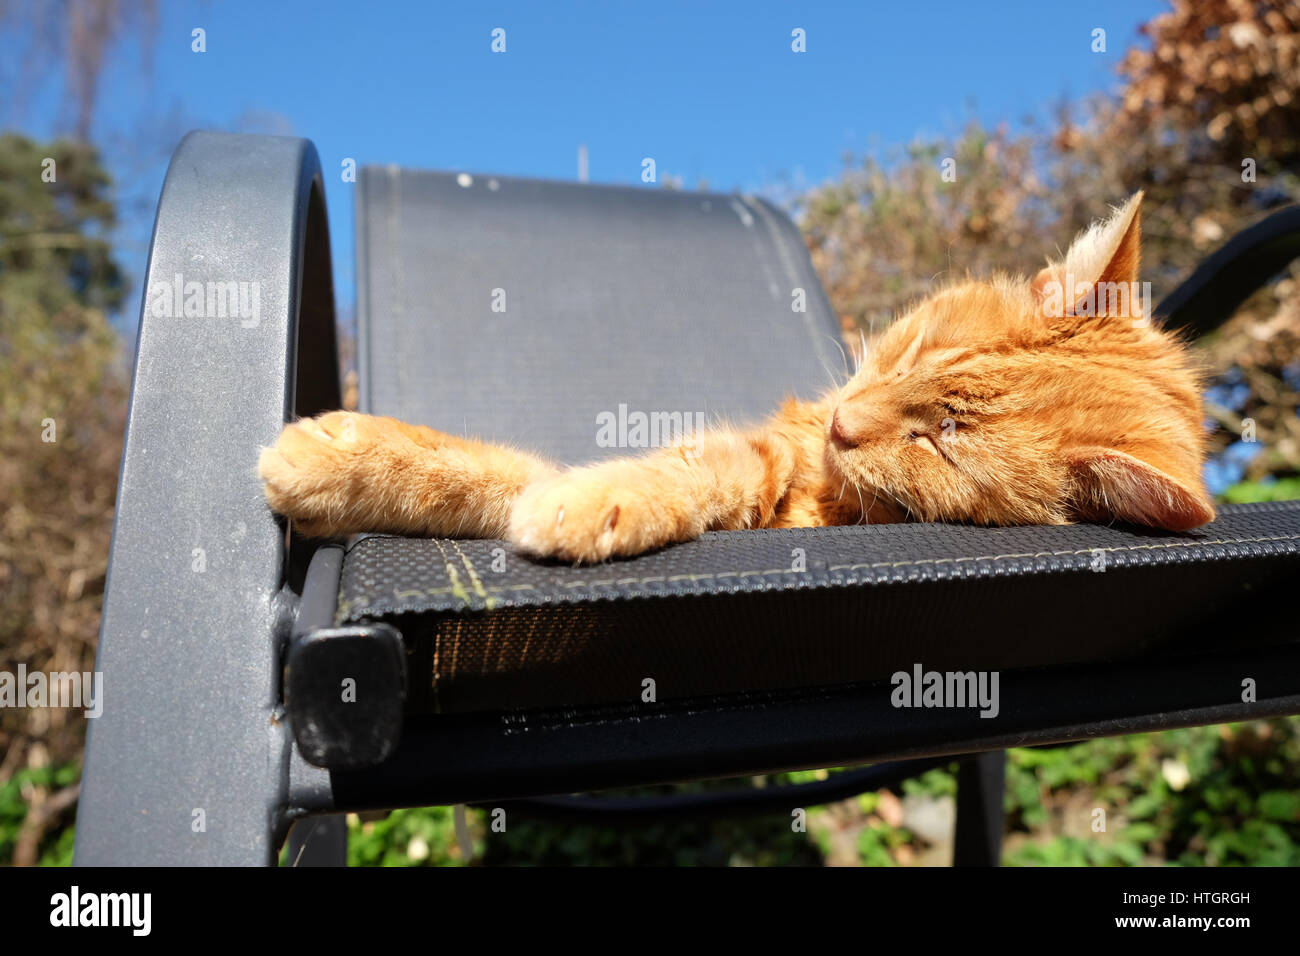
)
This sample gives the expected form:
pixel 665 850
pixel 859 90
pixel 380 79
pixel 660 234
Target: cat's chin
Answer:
pixel 881 509
pixel 867 503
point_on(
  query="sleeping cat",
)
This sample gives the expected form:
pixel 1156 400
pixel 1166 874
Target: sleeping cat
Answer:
pixel 1001 402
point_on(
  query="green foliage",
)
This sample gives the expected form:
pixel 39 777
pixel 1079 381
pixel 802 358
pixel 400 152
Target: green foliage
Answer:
pixel 1073 851
pixel 1201 796
pixel 56 211
pixel 424 837
pixel 1283 489
pixel 744 841
pixel 55 845
pixel 877 844
pixel 932 783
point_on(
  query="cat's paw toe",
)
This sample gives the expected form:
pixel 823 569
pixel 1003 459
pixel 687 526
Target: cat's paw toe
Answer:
pixel 583 521
pixel 305 473
pixel 345 428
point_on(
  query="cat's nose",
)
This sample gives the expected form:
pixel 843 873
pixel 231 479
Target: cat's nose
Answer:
pixel 838 433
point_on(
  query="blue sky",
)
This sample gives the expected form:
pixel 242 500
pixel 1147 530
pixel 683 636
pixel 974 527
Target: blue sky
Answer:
pixel 712 91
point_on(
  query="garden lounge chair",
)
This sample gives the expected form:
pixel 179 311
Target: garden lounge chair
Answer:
pixel 476 675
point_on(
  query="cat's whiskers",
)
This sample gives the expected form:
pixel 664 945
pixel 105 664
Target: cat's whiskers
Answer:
pixel 835 382
pixel 839 344
pixel 900 502
pixel 874 498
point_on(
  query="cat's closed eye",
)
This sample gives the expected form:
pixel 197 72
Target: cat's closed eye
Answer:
pixel 923 440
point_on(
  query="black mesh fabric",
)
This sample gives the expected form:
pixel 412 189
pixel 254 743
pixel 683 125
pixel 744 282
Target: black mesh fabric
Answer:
pixel 657 301
pixel 731 613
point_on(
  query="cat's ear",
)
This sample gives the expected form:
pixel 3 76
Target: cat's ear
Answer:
pixel 1106 254
pixel 1113 484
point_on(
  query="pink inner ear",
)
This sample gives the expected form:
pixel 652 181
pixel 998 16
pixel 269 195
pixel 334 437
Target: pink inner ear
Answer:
pixel 1039 285
pixel 1113 484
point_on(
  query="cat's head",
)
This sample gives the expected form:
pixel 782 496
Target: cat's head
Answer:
pixel 1017 401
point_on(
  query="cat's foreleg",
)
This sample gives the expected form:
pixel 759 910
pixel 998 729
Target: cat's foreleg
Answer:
pixel 343 473
pixel 722 480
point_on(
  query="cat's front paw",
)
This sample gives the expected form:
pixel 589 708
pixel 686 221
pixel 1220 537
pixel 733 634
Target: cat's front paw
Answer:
pixel 311 472
pixel 581 517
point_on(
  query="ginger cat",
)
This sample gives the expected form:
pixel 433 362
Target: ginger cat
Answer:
pixel 1001 402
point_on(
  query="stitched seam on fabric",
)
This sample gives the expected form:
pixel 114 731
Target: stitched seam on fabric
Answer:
pixel 1059 554
pixel 792 274
pixel 925 562
pixel 459 591
pixel 396 273
pixel 474 578
pixel 457 588
pixel 434 670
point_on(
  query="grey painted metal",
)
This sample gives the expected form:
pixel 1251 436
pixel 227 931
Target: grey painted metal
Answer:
pixel 610 297
pixel 195 613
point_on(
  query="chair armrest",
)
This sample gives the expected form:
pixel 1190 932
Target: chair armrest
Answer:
pixel 236 336
pixel 1211 294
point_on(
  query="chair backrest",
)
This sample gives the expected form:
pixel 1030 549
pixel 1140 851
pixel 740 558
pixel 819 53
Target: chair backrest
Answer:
pixel 532 312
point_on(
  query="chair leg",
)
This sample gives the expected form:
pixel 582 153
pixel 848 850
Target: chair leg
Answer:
pixel 319 841
pixel 980 782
